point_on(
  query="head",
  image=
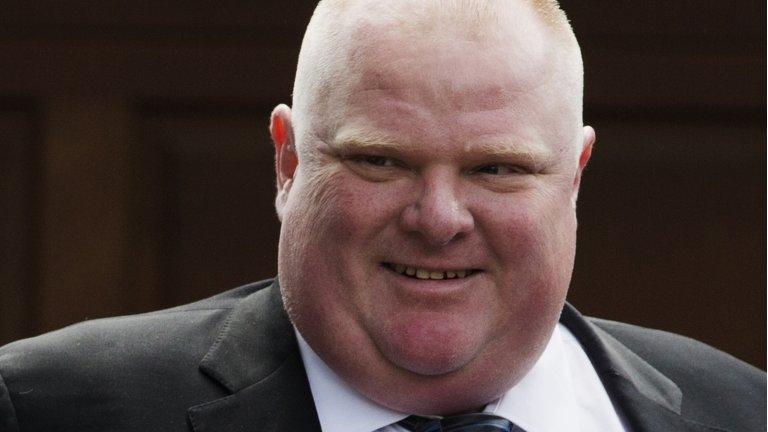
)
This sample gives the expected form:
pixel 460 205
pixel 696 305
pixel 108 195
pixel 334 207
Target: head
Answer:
pixel 427 181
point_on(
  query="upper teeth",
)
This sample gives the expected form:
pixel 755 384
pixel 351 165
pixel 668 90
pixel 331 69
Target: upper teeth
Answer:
pixel 429 274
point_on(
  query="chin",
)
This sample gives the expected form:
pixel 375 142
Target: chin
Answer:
pixel 430 344
pixel 429 363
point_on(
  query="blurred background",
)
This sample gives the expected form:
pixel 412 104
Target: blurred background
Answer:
pixel 136 171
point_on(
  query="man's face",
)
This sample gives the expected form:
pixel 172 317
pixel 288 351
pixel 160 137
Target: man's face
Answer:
pixel 428 236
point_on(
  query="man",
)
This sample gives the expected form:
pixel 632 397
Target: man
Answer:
pixel 427 178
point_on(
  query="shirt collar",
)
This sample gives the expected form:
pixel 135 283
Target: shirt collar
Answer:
pixel 528 404
pixel 340 408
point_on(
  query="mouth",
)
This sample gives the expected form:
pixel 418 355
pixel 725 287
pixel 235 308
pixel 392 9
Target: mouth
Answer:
pixel 432 274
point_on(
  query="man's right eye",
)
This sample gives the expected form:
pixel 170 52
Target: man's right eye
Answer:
pixel 379 161
pixel 375 168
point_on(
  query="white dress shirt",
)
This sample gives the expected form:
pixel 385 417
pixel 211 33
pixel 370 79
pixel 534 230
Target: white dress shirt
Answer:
pixel 561 392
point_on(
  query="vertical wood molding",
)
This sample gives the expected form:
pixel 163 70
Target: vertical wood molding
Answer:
pixel 17 222
pixel 203 219
pixel 84 205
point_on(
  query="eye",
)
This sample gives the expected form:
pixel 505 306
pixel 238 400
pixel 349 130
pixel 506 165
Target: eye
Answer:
pixel 381 161
pixel 375 160
pixel 374 167
pixel 500 169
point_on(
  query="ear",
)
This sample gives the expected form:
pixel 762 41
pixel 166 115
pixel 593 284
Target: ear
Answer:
pixel 286 158
pixel 588 140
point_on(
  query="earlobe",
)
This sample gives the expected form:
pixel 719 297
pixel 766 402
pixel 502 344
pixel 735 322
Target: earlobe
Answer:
pixel 282 198
pixel 586 148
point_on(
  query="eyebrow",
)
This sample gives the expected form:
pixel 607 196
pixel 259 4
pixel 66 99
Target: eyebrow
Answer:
pixel 351 141
pixel 356 140
pixel 505 148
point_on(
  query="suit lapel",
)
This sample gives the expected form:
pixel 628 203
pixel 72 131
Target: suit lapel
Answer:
pixel 649 400
pixel 256 359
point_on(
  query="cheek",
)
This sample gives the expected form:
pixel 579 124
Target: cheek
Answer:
pixel 337 220
pixel 532 236
pixel 330 236
pixel 532 240
pixel 358 212
pixel 511 224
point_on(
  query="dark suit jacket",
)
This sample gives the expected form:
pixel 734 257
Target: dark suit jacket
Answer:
pixel 231 363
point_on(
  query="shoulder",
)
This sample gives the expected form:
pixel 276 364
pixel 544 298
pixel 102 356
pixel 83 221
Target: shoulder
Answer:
pixel 675 353
pixel 126 339
pixel 119 359
pixel 709 378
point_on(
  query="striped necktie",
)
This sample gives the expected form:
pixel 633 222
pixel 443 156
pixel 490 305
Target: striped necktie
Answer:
pixel 476 422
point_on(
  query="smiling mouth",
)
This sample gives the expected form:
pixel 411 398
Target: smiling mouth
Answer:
pixel 421 273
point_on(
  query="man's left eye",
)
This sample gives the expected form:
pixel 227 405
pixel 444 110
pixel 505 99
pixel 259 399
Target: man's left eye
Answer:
pixel 500 169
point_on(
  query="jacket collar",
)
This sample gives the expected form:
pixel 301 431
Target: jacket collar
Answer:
pixel 256 359
pixel 649 400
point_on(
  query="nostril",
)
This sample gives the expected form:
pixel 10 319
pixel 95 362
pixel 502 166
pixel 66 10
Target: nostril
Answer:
pixel 438 215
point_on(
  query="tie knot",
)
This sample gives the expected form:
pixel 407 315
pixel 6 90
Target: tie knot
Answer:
pixel 476 422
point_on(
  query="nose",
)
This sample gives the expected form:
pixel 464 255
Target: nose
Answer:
pixel 439 213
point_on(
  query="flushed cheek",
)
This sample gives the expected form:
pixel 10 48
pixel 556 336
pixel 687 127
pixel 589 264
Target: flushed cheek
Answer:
pixel 512 231
pixel 531 240
pixel 524 226
pixel 362 208
pixel 325 255
pixel 347 227
pixel 342 208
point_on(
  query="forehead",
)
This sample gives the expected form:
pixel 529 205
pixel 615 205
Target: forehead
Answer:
pixel 407 80
pixel 460 66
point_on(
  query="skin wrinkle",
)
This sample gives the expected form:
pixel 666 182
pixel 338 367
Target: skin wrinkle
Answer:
pixel 445 101
pixel 353 141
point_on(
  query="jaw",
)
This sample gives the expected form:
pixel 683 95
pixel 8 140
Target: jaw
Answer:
pixel 415 387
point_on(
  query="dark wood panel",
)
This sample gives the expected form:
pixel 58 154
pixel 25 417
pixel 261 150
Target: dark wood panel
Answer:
pixel 672 231
pixel 221 16
pixel 728 18
pixel 648 54
pixel 208 194
pixel 18 193
pixel 616 77
pixel 235 73
pixel 623 77
pixel 84 173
